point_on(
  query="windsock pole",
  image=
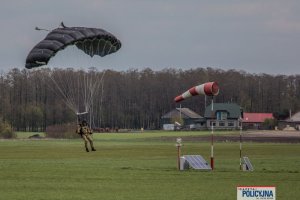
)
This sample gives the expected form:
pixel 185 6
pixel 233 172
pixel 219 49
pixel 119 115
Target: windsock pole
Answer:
pixel 212 135
pixel 241 128
pixel 208 89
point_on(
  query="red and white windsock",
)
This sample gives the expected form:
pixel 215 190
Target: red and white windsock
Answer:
pixel 209 89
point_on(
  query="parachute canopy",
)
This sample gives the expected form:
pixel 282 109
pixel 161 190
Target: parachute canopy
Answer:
pixel 92 41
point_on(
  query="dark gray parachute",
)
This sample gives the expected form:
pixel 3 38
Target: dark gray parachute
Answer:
pixel 92 41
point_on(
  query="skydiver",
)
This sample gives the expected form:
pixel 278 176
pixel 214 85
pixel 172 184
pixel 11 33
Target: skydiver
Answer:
pixel 85 132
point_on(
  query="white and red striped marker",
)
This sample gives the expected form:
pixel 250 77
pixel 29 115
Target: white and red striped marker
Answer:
pixel 209 89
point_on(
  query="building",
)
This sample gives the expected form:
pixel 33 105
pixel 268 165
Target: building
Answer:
pixel 292 123
pixel 182 118
pixel 223 116
pixel 255 120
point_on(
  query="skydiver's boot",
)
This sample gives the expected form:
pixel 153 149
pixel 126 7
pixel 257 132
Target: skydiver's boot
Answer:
pixel 86 146
pixel 92 146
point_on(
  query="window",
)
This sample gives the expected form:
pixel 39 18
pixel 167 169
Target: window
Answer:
pixel 221 123
pixel 230 123
pixel 222 115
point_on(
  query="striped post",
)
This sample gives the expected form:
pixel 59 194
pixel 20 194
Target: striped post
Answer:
pixel 212 135
pixel 241 128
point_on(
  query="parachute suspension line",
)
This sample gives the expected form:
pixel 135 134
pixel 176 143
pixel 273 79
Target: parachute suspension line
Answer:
pixel 74 81
pixel 78 96
pixel 86 91
pixel 67 82
pixel 81 89
pixel 86 82
pixel 89 101
pixel 90 81
pixel 69 78
pixel 103 50
pixel 88 104
pixel 110 48
pixel 101 98
pixel 64 85
pixel 91 48
pixel 56 80
pixel 77 88
pixel 98 49
pixel 96 85
pixel 64 97
pixel 93 86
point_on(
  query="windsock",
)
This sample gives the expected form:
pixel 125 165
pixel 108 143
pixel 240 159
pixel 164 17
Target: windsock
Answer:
pixel 209 89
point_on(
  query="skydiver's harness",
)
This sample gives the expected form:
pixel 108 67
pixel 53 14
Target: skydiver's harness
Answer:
pixel 82 132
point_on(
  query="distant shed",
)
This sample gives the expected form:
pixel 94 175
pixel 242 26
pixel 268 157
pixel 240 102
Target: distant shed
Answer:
pixel 291 122
pixel 183 117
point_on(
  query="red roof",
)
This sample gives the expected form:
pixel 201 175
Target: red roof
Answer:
pixel 257 117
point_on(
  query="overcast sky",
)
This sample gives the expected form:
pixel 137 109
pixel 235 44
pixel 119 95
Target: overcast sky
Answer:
pixel 257 36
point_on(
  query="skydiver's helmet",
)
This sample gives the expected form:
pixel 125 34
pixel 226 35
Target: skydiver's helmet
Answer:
pixel 84 123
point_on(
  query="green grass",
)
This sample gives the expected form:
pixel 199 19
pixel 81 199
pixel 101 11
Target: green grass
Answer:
pixel 134 166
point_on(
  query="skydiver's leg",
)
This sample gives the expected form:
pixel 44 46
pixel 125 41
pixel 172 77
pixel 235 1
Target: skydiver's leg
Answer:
pixel 91 142
pixel 84 137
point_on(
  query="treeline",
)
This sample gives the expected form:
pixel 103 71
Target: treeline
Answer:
pixel 138 98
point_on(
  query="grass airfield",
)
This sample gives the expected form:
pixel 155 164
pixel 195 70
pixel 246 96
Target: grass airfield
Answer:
pixel 141 166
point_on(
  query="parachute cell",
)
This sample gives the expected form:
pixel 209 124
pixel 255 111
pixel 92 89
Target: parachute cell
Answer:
pixel 91 41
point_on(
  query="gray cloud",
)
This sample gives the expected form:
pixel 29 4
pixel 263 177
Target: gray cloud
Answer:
pixel 253 35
